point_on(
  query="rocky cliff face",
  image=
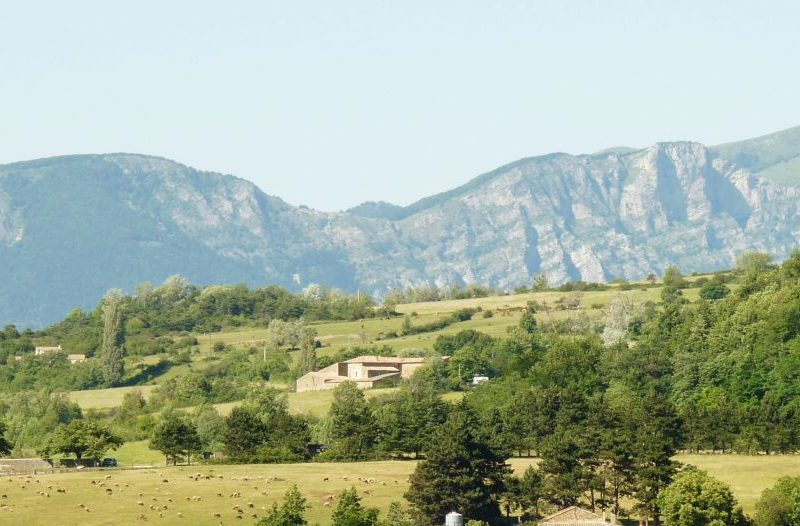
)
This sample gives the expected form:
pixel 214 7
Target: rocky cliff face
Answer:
pixel 600 217
pixel 72 227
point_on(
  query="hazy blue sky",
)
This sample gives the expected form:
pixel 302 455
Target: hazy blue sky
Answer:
pixel 332 103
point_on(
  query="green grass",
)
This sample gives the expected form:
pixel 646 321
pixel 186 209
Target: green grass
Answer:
pixel 172 487
pixel 262 485
pixel 106 398
pixel 601 297
pixel 748 476
pixel 317 403
pixel 137 453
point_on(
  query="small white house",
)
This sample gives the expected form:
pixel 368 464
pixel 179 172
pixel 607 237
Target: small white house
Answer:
pixel 478 380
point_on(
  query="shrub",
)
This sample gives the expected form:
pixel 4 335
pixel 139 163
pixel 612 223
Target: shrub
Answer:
pixel 694 497
pixel 780 504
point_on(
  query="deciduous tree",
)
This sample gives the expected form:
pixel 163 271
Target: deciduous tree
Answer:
pixel 83 438
pixel 696 499
pixel 176 437
pixel 350 512
pixel 290 513
pixel 780 504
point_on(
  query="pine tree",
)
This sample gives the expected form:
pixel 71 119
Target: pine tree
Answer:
pixel 461 473
pixel 529 493
pixel 657 435
pixel 353 428
pixel 563 467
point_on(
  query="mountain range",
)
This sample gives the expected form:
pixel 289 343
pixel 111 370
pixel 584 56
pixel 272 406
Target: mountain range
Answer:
pixel 72 227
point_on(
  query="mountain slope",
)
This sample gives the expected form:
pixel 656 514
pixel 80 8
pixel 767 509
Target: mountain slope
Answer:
pixel 72 227
pixel 75 226
pixel 775 157
pixel 603 216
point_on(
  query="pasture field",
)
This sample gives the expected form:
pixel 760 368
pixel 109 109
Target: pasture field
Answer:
pixel 218 489
pixel 344 334
pixel 137 453
pixel 599 297
pixel 748 476
pixel 106 398
pixel 176 496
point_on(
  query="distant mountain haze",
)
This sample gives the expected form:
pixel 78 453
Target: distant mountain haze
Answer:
pixel 72 227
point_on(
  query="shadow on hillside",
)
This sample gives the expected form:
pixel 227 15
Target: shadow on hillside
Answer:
pixel 148 372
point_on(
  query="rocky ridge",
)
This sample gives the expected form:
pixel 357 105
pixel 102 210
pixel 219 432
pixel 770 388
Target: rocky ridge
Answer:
pixel 72 227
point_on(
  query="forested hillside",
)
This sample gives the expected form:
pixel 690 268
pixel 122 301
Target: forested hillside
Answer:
pixel 158 321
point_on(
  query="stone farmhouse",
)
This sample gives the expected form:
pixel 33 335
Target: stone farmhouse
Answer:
pixel 366 371
pixel 575 516
pixel 41 351
pixel 72 358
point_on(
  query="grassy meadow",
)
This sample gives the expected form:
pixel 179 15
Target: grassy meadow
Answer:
pixel 106 398
pixel 194 494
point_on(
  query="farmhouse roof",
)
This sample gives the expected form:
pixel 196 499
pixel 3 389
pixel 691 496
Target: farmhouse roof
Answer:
pixel 44 349
pixel 384 359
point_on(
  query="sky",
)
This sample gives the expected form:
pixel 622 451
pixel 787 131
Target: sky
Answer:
pixel 329 104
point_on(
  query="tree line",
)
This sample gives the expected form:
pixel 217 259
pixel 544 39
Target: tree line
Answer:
pixel 159 320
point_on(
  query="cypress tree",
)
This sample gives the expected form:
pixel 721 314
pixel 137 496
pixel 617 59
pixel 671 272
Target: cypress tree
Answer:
pixel 113 337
